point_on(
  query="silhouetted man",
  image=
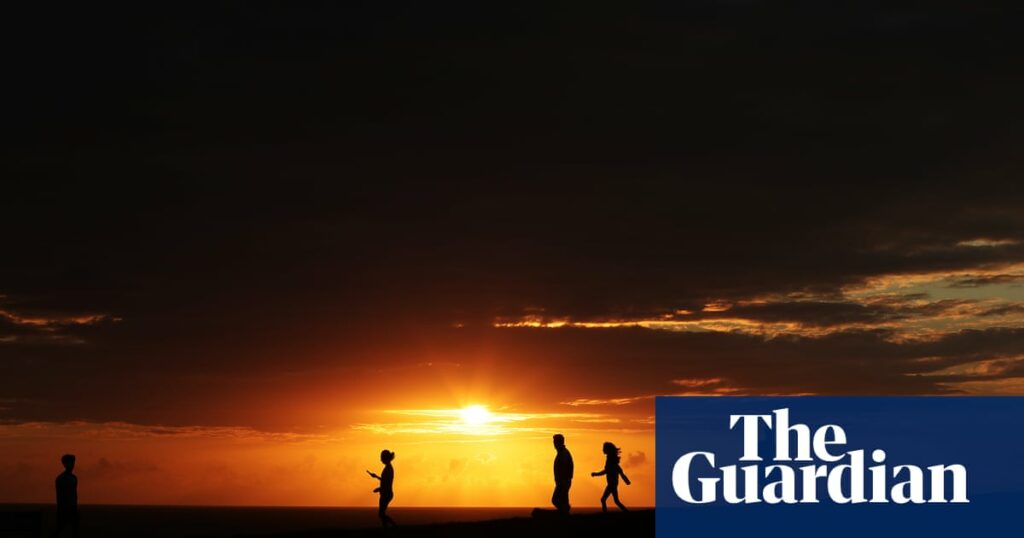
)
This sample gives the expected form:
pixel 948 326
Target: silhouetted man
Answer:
pixel 563 475
pixel 67 497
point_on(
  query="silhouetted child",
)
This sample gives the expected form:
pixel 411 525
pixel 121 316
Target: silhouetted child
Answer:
pixel 612 470
pixel 387 480
pixel 67 497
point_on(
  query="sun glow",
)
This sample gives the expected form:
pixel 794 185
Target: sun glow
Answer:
pixel 476 415
pixel 476 420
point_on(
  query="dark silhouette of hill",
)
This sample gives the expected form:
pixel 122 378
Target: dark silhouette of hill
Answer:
pixel 592 525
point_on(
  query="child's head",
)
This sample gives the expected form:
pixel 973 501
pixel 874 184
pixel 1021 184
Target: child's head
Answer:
pixel 386 456
pixel 610 450
pixel 68 461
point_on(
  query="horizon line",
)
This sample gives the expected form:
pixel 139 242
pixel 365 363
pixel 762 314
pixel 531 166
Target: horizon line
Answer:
pixel 310 506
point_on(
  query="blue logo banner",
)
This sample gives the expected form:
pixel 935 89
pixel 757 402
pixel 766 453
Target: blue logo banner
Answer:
pixel 839 466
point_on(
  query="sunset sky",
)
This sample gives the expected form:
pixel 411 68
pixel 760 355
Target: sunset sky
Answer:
pixel 246 249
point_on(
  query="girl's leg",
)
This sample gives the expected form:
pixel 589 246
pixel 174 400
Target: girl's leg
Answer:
pixel 604 498
pixel 385 519
pixel 382 508
pixel 615 496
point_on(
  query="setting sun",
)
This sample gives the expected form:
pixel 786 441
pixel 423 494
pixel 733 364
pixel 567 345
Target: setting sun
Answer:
pixel 476 415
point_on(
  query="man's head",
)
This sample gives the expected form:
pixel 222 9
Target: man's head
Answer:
pixel 559 440
pixel 68 460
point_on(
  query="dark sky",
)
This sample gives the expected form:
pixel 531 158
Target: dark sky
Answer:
pixel 205 206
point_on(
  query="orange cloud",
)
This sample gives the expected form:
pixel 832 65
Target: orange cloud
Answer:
pixel 908 306
pixel 40 321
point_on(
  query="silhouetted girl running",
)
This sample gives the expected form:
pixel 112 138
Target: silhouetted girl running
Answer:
pixel 612 470
pixel 387 480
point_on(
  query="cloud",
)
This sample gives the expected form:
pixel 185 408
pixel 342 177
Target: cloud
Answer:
pixel 698 383
pixel 122 431
pixel 17 325
pixel 986 280
pixel 847 362
pixel 990 387
pixel 47 322
pixel 811 318
pixel 986 242
pixel 904 306
pixel 582 402
pixel 983 369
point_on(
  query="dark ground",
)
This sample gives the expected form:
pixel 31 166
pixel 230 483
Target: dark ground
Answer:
pixel 635 523
pixel 32 521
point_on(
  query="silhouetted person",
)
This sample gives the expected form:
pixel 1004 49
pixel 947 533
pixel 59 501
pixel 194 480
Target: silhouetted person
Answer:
pixel 612 470
pixel 563 475
pixel 386 489
pixel 67 497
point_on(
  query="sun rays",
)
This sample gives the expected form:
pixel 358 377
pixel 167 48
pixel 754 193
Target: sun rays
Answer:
pixel 480 420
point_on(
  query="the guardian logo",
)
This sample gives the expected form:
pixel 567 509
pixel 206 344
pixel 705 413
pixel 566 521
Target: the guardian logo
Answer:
pixel 808 467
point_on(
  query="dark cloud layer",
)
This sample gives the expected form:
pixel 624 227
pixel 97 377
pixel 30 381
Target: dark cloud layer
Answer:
pixel 256 194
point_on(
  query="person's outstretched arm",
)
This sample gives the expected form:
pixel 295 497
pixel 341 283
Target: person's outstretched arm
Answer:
pixel 599 473
pixel 624 477
pixel 373 475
